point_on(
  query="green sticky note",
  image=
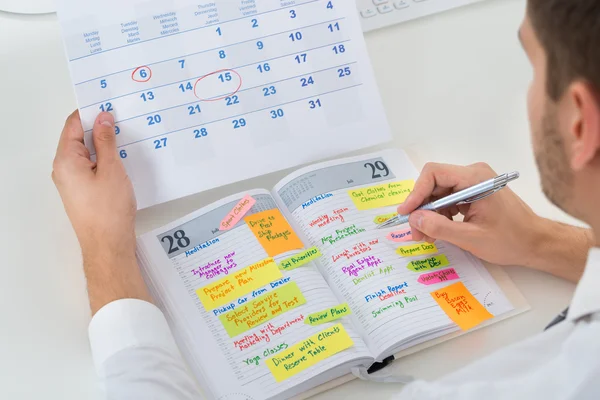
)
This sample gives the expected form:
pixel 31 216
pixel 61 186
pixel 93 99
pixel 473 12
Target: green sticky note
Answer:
pixel 331 314
pixel 299 259
pixel 428 264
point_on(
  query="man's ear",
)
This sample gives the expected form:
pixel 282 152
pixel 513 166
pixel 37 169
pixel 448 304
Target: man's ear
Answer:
pixel 584 124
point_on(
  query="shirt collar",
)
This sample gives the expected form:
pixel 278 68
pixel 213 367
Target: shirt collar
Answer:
pixel 586 300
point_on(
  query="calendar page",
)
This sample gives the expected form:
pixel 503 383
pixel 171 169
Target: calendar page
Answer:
pixel 206 93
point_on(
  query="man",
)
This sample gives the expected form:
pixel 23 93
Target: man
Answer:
pixel 137 358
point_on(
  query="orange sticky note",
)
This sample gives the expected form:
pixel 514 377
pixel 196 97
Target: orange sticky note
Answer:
pixel 273 232
pixel 461 306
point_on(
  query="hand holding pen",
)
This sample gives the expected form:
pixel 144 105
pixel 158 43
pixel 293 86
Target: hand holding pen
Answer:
pixel 498 229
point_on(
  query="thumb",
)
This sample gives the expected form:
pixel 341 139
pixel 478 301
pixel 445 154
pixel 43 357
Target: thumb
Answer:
pixel 439 227
pixel 105 139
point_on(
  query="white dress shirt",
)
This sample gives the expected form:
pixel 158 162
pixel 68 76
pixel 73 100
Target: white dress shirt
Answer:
pixel 136 357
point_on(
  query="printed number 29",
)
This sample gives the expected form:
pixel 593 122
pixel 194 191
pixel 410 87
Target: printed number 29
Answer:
pixel 179 237
pixel 378 166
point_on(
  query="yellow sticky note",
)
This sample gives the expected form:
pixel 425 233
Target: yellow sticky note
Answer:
pixel 331 314
pixel 273 232
pixel 262 309
pixel 300 259
pixel 388 194
pixel 461 306
pixel 238 284
pixel 309 352
pixel 380 219
pixel 416 250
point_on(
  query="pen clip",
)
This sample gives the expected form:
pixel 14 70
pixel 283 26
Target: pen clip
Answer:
pixel 481 196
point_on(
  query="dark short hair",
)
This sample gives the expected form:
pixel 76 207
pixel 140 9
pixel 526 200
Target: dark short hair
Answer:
pixel 569 31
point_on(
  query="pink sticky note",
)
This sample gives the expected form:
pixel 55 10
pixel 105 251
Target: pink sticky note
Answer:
pixel 438 276
pixel 237 213
pixel 400 236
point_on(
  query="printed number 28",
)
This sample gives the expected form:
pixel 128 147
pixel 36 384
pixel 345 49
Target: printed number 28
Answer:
pixel 179 237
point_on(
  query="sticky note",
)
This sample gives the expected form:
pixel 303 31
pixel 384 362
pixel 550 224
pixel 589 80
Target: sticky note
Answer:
pixel 400 236
pixel 444 275
pixel 300 259
pixel 237 213
pixel 461 306
pixel 416 250
pixel 262 309
pixel 273 232
pixel 309 352
pixel 388 194
pixel 239 283
pixel 380 219
pixel 328 315
pixel 427 264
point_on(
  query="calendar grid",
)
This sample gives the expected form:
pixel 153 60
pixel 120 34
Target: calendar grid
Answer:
pixel 196 29
pixel 128 70
pixel 236 116
pixel 232 68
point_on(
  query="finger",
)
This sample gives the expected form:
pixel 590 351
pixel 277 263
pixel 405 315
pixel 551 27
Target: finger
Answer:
pixel 449 177
pixel 417 235
pixel 105 140
pixel 72 132
pixel 439 227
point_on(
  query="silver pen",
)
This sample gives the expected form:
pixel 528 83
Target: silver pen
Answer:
pixel 466 196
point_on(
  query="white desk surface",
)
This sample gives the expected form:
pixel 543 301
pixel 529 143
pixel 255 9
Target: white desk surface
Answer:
pixel 454 88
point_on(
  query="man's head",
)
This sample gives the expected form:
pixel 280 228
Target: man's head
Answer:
pixel 562 40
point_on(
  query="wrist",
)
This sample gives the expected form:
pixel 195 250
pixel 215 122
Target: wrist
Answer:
pixel 558 249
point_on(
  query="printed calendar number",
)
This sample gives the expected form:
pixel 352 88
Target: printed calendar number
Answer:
pixel 123 154
pixel 149 96
pixel 330 5
pixel 117 130
pixel 160 143
pixel 106 107
pixel 193 110
pixel 314 103
pixel 238 123
pixel 300 58
pixel 260 45
pixel 142 74
pixel 342 72
pixel 219 31
pixel 179 238
pixel 182 63
pixel 154 119
pixel 277 113
pixel 263 68
pixel 339 49
pixel 293 14
pixel 200 133
pixel 376 168
pixel 334 27
pixel 269 91
pixel 103 84
pixel 255 23
pixel 226 77
pixel 222 54
pixel 186 87
pixel 307 81
pixel 296 36
pixel 231 100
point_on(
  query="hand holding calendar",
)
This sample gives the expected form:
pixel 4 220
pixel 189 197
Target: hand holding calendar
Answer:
pixel 209 93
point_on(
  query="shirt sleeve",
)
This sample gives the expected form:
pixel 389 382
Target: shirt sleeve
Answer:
pixel 135 354
pixel 561 363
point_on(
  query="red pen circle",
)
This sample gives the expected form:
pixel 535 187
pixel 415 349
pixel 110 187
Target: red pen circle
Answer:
pixel 213 73
pixel 139 68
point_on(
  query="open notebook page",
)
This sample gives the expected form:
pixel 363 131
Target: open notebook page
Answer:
pixel 199 255
pixel 390 307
